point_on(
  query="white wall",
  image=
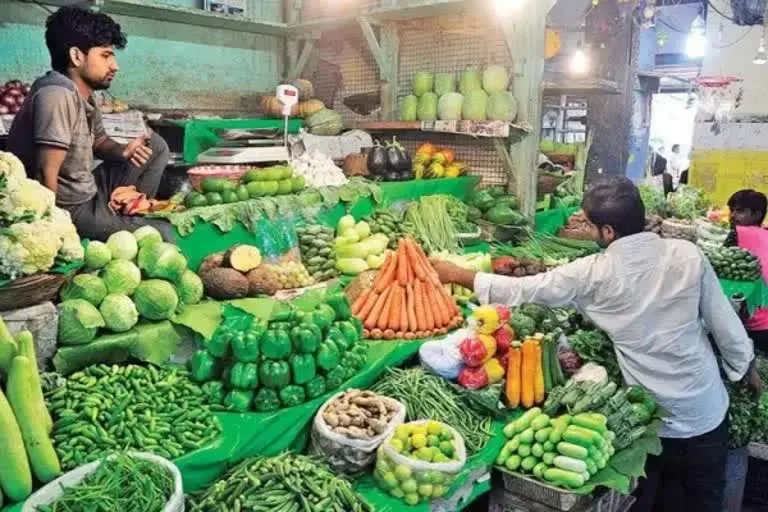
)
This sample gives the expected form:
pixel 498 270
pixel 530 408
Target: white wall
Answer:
pixel 730 51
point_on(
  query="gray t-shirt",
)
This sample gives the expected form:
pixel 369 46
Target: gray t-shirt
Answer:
pixel 54 114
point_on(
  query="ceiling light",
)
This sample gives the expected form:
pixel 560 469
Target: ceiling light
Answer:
pixel 696 42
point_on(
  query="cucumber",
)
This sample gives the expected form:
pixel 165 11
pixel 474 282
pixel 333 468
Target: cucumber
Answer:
pixel 539 422
pixel 8 349
pixel 513 462
pixel 528 463
pixel 526 436
pixel 26 344
pixel 524 421
pixel 15 475
pixel 564 478
pixel 524 450
pixel 572 450
pixel 570 464
pixel 42 457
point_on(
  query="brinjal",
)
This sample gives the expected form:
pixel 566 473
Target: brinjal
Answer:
pixel 407 164
pixel 377 160
pixel 394 157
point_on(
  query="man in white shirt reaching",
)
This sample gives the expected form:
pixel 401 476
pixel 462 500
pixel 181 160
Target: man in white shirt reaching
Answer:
pixel 657 299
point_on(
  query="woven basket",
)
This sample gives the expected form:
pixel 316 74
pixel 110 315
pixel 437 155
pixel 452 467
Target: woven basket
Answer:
pixel 30 290
pixel 359 284
pixel 540 492
pixel 232 173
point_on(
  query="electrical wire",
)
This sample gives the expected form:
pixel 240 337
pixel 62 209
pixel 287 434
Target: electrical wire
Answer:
pixel 718 11
pixel 737 41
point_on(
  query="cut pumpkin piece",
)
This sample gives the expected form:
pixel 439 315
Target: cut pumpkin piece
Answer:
pixel 243 258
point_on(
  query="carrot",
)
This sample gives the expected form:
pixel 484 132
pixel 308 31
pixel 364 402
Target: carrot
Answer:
pixel 430 273
pixel 444 305
pixel 394 312
pixel 429 318
pixel 419 309
pixel 359 301
pixel 383 320
pixel 449 304
pixel 435 304
pixel 366 308
pixel 538 382
pixel 402 264
pixel 386 275
pixel 410 303
pixel 373 316
pixel 411 275
pixel 528 374
pixel 377 334
pixel 512 386
pixel 403 309
pixel 389 334
pixel 413 256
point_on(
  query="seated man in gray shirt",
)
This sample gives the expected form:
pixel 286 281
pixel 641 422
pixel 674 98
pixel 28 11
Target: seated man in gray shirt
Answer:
pixel 59 130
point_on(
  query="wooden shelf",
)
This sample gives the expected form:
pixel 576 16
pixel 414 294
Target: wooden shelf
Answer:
pixel 184 15
pixel 485 129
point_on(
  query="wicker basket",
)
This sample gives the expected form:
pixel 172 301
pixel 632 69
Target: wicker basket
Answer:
pixel 30 290
pixel 540 492
pixel 232 173
pixel 359 284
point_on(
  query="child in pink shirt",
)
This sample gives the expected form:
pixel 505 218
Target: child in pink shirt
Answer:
pixel 748 210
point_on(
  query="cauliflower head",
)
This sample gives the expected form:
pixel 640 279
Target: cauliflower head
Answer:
pixel 72 248
pixel 12 257
pixel 27 197
pixel 41 242
pixel 11 168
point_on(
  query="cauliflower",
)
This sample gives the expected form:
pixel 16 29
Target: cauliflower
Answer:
pixel 11 168
pixel 72 247
pixel 12 256
pixel 26 197
pixel 40 241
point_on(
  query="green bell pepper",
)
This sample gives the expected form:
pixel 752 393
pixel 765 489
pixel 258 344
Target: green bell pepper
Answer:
pixel 328 355
pixel 358 326
pixel 285 313
pixel 214 392
pixel 219 343
pixel 303 368
pixel 340 305
pixel 335 378
pixel 323 316
pixel 349 331
pixel 266 400
pixel 335 335
pixel 202 366
pixel 238 400
pixel 275 374
pixel 315 387
pixel 305 340
pixel 245 345
pixel 292 395
pixel 244 376
pixel 276 344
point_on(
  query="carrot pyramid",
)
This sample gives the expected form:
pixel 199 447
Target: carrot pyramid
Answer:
pixel 406 299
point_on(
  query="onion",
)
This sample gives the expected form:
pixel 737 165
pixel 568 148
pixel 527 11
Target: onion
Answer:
pixel 14 92
pixel 8 100
pixel 4 110
pixel 26 88
pixel 13 83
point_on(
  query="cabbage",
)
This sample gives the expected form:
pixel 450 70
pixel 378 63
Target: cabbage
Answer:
pixel 79 321
pixel 156 299
pixel 427 109
pixel 408 108
pixel 423 81
pixel 97 254
pixel 475 103
pixel 123 245
pixel 449 106
pixel 502 106
pixel 190 288
pixel 84 286
pixel 445 83
pixel 495 79
pixel 163 261
pixel 121 276
pixel 351 266
pixel 470 81
pixel 147 234
pixel 119 312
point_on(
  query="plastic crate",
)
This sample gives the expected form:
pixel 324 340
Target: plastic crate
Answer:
pixel 552 497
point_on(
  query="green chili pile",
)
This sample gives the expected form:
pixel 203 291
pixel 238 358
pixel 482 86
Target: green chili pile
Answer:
pixel 124 483
pixel 285 483
pixel 142 408
pixel 428 396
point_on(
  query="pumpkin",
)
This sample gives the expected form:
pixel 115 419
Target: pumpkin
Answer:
pixel 355 164
pixel 324 122
pixel 305 88
pixel 273 107
pixel 307 108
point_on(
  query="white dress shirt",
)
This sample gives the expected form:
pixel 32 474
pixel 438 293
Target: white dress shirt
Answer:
pixel 656 299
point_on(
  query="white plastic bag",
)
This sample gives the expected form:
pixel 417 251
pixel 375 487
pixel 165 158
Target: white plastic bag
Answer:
pixel 53 490
pixel 414 480
pixel 442 357
pixel 345 454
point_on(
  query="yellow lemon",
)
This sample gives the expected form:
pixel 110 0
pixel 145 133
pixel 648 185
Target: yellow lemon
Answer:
pixel 418 441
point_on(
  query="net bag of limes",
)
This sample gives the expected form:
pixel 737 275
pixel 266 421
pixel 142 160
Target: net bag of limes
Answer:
pixel 351 425
pixel 420 461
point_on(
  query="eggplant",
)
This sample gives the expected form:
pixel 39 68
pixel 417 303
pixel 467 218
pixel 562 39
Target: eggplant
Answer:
pixel 407 164
pixel 394 157
pixel 377 160
pixel 406 175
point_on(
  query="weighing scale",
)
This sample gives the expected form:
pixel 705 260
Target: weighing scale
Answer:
pixel 255 146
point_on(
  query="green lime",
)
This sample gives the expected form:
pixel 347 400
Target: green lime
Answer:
pixel 412 499
pixel 214 198
pixel 403 472
pixel 195 199
pixel 409 486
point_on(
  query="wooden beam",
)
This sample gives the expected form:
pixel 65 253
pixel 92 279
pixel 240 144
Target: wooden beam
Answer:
pixel 373 43
pixel 301 63
pixel 293 16
pixel 390 46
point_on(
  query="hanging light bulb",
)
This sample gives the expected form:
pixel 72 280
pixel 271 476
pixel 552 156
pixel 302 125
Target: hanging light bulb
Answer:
pixel 761 57
pixel 579 64
pixel 696 43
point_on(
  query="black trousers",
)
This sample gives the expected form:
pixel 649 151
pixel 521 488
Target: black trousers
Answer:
pixel 761 340
pixel 96 221
pixel 689 475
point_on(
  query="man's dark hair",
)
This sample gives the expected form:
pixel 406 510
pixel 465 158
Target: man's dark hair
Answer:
pixel 615 201
pixel 749 199
pixel 79 28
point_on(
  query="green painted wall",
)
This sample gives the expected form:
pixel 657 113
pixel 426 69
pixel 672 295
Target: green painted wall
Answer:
pixel 165 65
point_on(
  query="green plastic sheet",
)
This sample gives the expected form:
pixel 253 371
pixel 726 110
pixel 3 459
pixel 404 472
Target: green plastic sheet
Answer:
pixel 550 221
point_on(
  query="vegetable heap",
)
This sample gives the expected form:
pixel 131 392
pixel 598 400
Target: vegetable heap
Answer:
pixel 564 451
pixel 270 181
pixel 594 346
pixel 317 253
pixel 533 371
pixel 390 162
pixel 143 408
pixel 484 353
pixel 25 423
pixel 431 162
pixel 477 261
pixel 429 396
pixel 356 248
pixel 429 222
pixel 496 207
pixel 298 356
pixel 547 250
pixel 387 222
pixel 430 442
pixel 134 275
pixel 407 299
pixel 36 234
pixel 283 483
pixel 121 482
pixel 359 414
pixel 734 263
pixel 318 169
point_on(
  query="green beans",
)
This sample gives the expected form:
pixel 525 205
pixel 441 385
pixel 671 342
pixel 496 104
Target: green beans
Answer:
pixel 285 483
pixel 107 408
pixel 123 483
pixel 428 396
